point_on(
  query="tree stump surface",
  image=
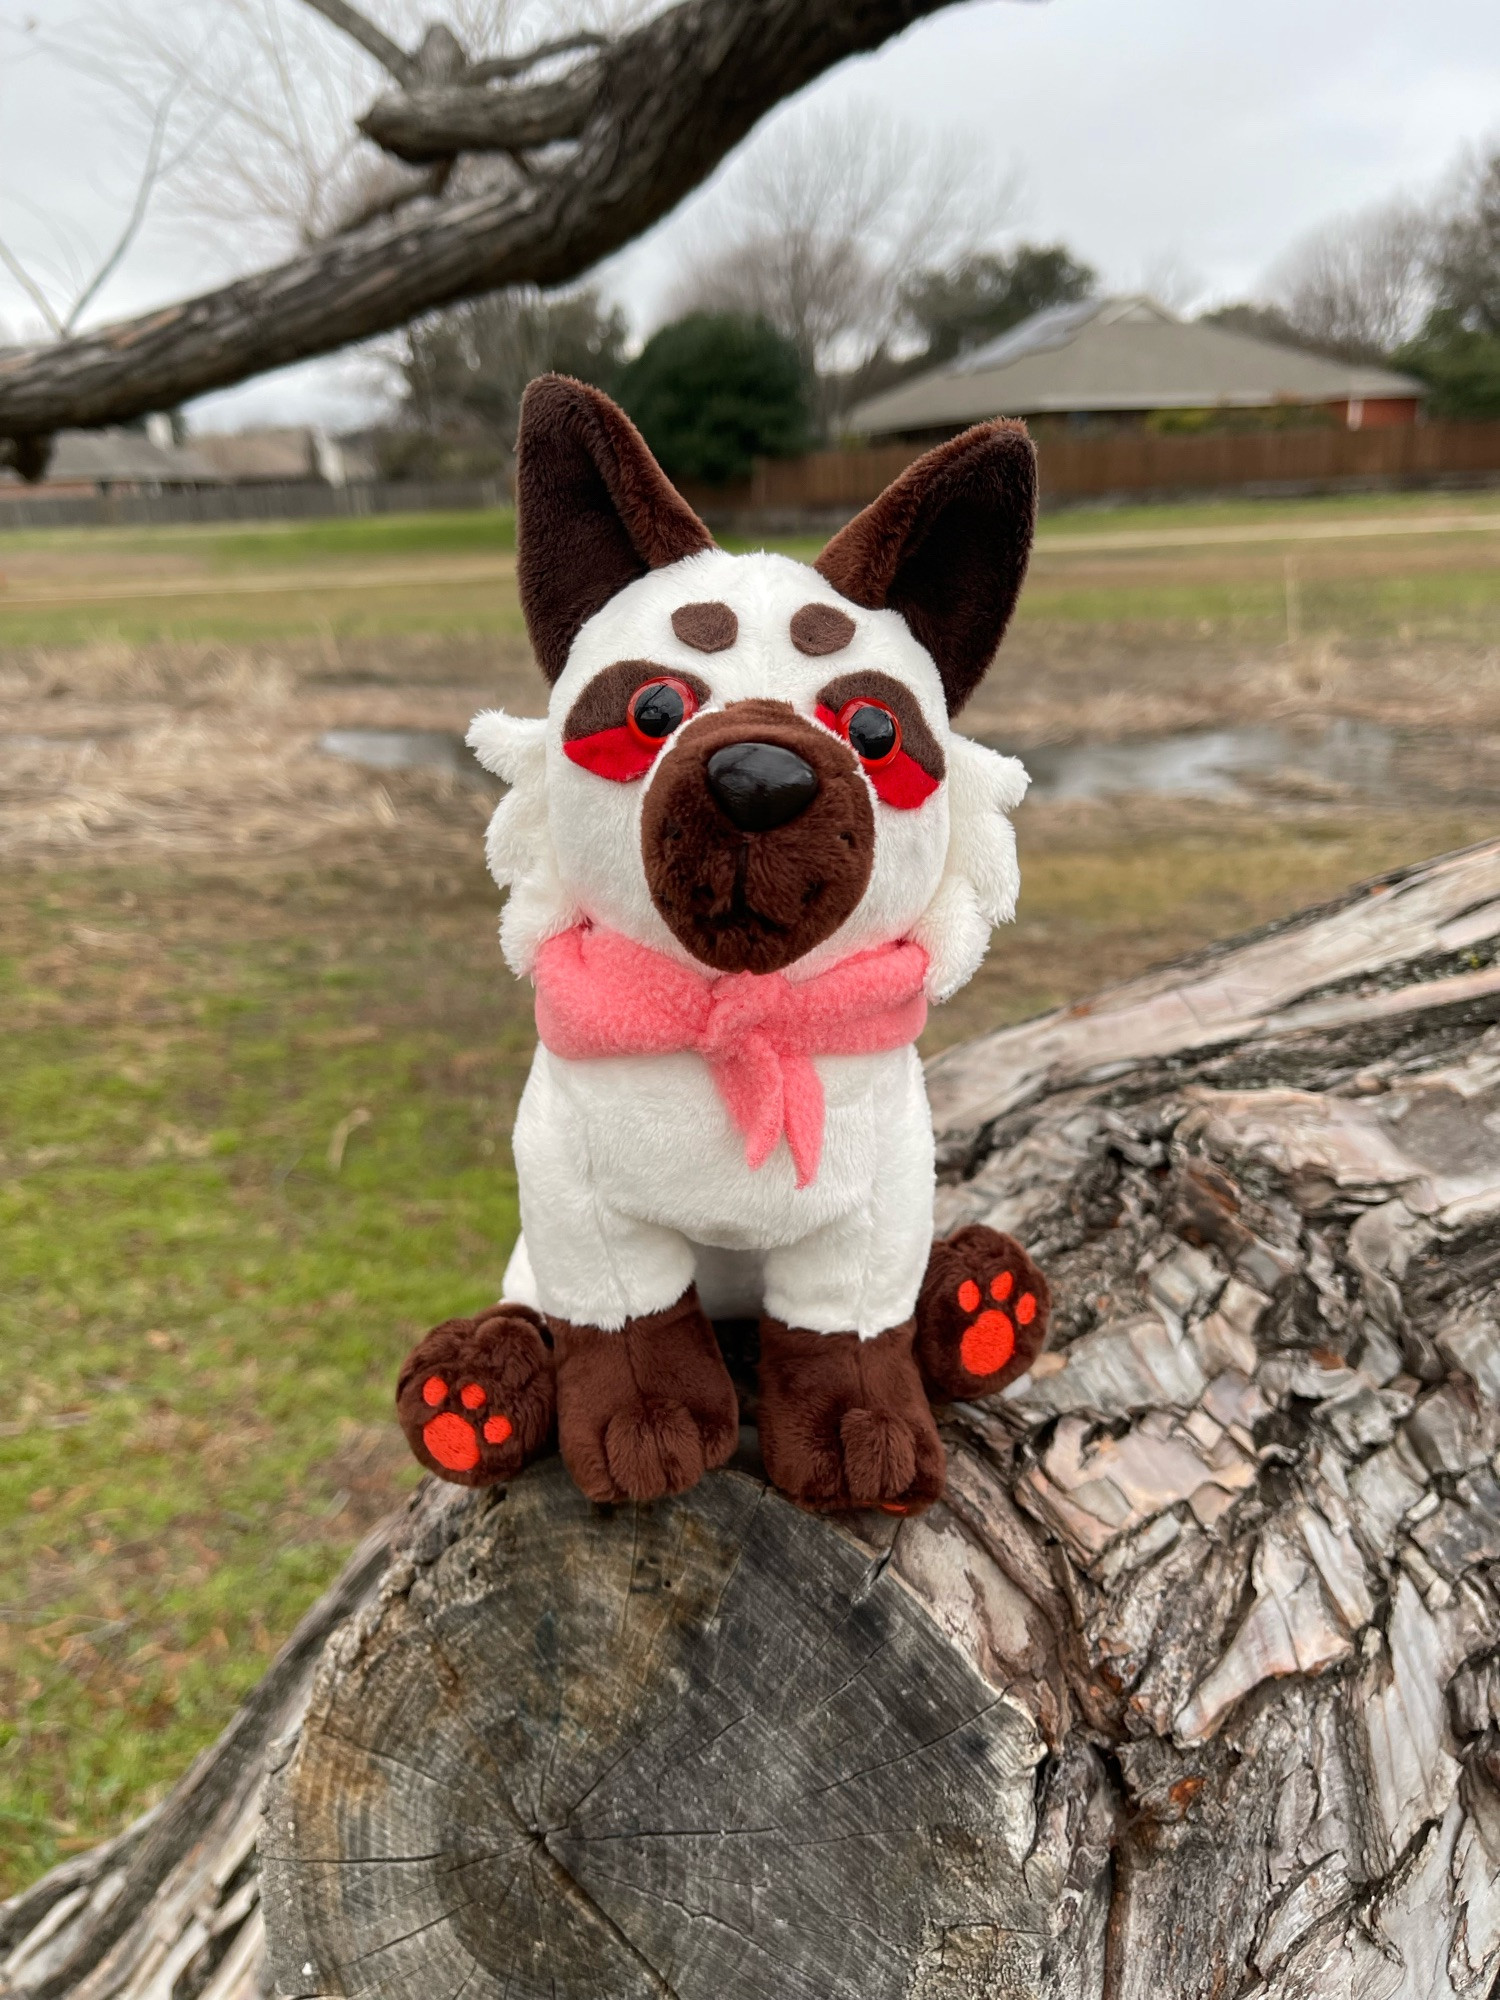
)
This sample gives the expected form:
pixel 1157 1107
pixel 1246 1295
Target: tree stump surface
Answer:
pixel 708 1746
pixel 1189 1687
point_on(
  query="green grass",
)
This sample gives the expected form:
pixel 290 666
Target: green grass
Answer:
pixel 200 1318
pixel 480 531
pixel 1454 603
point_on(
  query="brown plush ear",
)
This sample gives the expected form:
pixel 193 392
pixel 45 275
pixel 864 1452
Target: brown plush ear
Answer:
pixel 947 545
pixel 594 511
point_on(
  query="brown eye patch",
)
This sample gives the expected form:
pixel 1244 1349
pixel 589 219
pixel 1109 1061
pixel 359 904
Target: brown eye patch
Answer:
pixel 917 740
pixel 605 702
pixel 707 628
pixel 819 629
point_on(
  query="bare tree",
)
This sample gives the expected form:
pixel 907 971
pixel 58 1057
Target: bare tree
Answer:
pixel 1466 259
pixel 1359 286
pixel 602 136
pixel 823 225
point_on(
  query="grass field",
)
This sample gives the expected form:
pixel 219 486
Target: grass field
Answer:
pixel 259 1055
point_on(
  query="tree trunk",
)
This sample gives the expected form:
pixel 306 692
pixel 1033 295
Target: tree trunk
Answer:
pixel 1191 1686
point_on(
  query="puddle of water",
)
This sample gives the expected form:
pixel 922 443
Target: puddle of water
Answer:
pixel 1217 763
pixel 405 750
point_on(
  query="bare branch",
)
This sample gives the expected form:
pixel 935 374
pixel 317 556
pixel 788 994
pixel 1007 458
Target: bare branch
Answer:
pixel 370 38
pixel 496 69
pixel 675 95
pixel 424 125
pixel 31 288
pixel 133 221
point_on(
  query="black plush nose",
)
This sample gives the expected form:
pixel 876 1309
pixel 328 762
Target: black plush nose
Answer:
pixel 759 785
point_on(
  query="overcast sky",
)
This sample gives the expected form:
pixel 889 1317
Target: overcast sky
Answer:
pixel 1188 136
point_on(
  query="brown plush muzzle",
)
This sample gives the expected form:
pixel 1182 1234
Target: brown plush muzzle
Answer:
pixel 758 837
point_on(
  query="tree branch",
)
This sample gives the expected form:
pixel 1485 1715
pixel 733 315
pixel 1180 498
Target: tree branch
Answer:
pixel 496 69
pixel 370 38
pixel 420 126
pixel 673 98
pixel 30 286
pixel 133 221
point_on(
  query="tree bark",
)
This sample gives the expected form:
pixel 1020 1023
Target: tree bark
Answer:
pixel 654 112
pixel 1190 1687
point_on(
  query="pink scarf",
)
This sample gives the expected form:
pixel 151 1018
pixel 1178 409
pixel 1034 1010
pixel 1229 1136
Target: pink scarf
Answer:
pixel 598 994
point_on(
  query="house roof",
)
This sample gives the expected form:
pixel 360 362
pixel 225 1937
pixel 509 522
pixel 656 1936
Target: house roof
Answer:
pixel 1119 354
pixel 125 456
pixel 285 453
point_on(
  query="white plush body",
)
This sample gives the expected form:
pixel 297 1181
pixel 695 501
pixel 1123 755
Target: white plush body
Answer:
pixel 632 1174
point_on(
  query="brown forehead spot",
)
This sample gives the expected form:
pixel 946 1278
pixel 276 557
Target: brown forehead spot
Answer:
pixel 707 628
pixel 818 629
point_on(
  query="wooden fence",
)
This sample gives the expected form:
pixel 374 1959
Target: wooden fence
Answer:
pixel 305 500
pixel 1149 463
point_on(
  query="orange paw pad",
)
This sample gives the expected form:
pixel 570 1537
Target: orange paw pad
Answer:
pixel 968 1295
pixel 472 1396
pixel 497 1429
pixel 1002 1285
pixel 434 1391
pixel 1026 1310
pixel 988 1344
pixel 451 1441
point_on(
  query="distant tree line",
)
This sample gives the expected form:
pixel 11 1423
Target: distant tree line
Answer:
pixel 711 390
pixel 1415 286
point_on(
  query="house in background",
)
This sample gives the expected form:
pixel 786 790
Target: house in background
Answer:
pixel 91 464
pixel 284 456
pixel 1122 361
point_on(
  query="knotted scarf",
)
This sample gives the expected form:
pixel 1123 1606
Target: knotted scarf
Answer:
pixel 600 994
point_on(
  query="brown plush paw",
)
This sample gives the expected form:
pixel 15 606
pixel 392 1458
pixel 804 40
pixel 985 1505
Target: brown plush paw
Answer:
pixel 982 1314
pixel 845 1422
pixel 475 1397
pixel 645 1411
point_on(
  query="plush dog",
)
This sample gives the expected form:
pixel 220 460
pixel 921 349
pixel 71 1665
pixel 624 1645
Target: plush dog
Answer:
pixel 744 851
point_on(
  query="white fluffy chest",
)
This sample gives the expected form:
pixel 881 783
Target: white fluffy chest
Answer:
pixel 654 1139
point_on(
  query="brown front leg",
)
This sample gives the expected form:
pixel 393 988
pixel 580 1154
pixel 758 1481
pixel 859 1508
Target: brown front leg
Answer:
pixel 844 1422
pixel 475 1396
pixel 647 1410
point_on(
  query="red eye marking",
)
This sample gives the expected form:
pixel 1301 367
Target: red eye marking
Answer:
pixel 1002 1286
pixel 472 1396
pixel 968 1295
pixel 434 1392
pixel 868 726
pixel 988 1344
pixel 629 750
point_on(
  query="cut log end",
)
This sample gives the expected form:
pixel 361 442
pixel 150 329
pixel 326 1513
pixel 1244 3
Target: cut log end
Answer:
pixel 709 1746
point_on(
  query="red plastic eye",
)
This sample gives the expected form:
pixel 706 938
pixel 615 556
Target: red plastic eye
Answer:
pixel 872 732
pixel 657 709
